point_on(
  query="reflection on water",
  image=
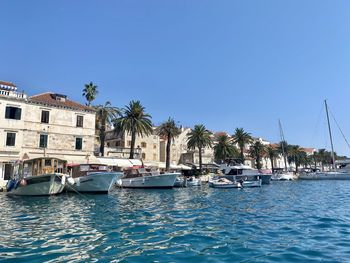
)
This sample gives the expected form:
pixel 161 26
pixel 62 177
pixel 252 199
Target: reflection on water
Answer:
pixel 281 222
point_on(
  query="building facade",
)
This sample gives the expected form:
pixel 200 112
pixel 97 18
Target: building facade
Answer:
pixel 47 124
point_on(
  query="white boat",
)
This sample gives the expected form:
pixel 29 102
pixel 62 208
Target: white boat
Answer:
pixel 194 182
pixel 342 172
pixel 251 183
pixel 180 182
pixel 92 178
pixel 140 178
pixel 40 176
pixel 284 176
pixel 224 183
pixel 242 173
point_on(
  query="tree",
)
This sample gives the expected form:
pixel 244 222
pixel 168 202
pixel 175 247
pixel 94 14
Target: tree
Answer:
pixel 296 155
pixel 90 92
pixel 224 148
pixel 199 137
pixel 169 131
pixel 135 121
pixel 105 114
pixel 242 138
pixel 272 153
pixel 257 151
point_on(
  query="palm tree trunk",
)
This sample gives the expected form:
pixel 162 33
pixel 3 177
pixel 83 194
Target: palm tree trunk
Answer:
pixel 167 162
pixel 200 159
pixel 272 167
pixel 103 137
pixel 242 155
pixel 132 146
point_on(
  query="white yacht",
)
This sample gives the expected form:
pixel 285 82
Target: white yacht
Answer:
pixel 243 173
pixel 92 178
pixel 40 176
pixel 140 178
pixel 342 172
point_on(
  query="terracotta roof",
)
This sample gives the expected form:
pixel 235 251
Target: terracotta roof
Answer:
pixel 308 150
pixel 6 83
pixel 48 98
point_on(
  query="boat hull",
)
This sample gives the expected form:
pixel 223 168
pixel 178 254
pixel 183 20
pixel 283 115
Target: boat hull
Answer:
pixel 151 181
pixel 99 182
pixel 325 176
pixel 41 185
pixel 257 183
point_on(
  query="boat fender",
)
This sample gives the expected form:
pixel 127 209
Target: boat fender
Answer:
pixel 78 182
pixel 70 181
pixel 63 180
pixel 119 182
pixel 23 182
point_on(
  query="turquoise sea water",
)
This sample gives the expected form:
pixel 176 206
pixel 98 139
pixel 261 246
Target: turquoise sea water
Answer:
pixel 282 222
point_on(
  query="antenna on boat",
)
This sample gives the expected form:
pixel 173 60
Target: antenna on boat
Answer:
pixel 330 135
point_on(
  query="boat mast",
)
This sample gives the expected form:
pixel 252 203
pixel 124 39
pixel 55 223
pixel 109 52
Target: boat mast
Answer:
pixel 282 145
pixel 330 135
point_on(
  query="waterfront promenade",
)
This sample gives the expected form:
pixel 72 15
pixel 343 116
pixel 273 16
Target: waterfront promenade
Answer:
pixel 297 221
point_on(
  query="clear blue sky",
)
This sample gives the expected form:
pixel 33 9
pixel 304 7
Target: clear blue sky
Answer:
pixel 225 64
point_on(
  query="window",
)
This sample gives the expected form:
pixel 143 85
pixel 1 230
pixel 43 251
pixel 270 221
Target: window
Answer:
pixel 43 141
pixel 80 121
pixel 45 116
pixel 143 144
pixel 11 139
pixel 78 143
pixel 129 143
pixel 118 143
pixel 143 156
pixel 13 113
pixel 154 146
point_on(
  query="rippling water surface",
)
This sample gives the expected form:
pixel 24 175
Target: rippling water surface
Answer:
pixel 282 222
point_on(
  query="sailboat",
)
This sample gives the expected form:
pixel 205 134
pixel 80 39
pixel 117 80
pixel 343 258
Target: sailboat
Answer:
pixel 284 175
pixel 343 173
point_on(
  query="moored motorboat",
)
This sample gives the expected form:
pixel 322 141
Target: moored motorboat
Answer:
pixel 192 181
pixel 140 178
pixel 180 181
pixel 40 176
pixel 242 172
pixel 283 176
pixel 92 178
pixel 224 183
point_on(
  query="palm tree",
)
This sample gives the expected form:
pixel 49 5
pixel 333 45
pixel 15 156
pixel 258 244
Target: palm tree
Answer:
pixel 105 114
pixel 170 131
pixel 224 148
pixel 295 155
pixel 199 137
pixel 242 138
pixel 134 120
pixel 272 153
pixel 257 151
pixel 90 92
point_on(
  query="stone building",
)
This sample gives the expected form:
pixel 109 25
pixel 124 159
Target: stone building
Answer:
pixel 152 149
pixel 47 124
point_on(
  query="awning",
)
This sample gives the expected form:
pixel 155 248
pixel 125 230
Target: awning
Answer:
pixel 135 162
pixel 119 162
pixel 77 159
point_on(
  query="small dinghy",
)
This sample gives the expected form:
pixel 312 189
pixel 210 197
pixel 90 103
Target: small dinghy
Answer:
pixel 224 183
